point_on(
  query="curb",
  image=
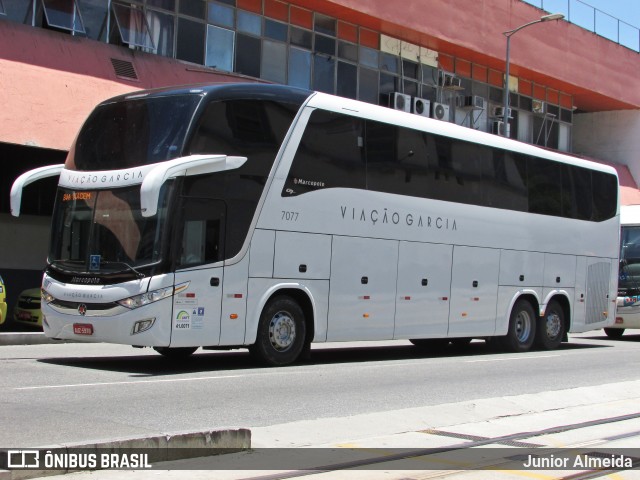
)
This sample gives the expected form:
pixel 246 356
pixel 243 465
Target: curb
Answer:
pixel 157 448
pixel 26 338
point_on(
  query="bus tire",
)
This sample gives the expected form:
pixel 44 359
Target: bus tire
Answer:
pixel 175 352
pixel 614 332
pixel 522 328
pixel 551 327
pixel 281 332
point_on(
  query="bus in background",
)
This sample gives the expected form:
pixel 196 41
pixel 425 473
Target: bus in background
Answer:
pixel 628 304
pixel 266 217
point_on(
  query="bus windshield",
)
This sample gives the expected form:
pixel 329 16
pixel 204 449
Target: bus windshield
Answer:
pixel 133 132
pixel 103 231
pixel 629 282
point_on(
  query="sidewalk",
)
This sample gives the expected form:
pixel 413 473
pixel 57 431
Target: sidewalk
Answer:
pixel 485 423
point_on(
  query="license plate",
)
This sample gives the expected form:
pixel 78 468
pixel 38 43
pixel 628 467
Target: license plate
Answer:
pixel 83 329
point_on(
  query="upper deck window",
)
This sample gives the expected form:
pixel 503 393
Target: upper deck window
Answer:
pixel 133 132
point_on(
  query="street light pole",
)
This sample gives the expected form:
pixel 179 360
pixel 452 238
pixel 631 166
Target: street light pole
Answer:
pixel 509 34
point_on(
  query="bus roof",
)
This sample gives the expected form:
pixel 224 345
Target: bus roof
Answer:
pixel 248 91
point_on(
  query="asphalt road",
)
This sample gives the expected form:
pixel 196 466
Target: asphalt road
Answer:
pixel 76 392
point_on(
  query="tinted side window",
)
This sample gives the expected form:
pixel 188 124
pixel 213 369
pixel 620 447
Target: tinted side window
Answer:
pixel 576 192
pixel 416 173
pixel 467 160
pixel 383 169
pixel 330 155
pixel 544 182
pixel 605 196
pixel 505 181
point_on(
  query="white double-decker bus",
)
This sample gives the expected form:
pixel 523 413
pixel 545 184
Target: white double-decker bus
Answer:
pixel 266 217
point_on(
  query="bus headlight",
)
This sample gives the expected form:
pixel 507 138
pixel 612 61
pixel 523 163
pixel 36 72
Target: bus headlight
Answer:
pixel 146 298
pixel 46 296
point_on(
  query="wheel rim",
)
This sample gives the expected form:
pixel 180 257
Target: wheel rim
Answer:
pixel 523 326
pixel 282 331
pixel 553 324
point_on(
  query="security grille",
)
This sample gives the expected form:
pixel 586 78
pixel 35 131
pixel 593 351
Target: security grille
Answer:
pixel 598 276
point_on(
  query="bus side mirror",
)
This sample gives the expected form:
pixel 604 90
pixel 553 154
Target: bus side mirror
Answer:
pixel 27 178
pixel 184 166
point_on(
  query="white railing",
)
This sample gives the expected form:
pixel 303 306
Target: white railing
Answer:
pixel 594 20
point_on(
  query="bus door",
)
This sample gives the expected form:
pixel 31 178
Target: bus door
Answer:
pixel 199 256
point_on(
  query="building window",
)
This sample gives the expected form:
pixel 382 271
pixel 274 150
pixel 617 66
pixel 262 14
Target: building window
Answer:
pixel 347 80
pixel 221 15
pixel 276 30
pixel 249 23
pixel 299 68
pixel 248 54
pixel 274 61
pixel 63 14
pixel 132 25
pixel 220 48
pixel 324 69
pixel 191 41
pixel 162 32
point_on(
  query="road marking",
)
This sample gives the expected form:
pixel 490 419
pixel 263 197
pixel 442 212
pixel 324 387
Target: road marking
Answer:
pixel 222 377
pixel 509 359
pixel 101 384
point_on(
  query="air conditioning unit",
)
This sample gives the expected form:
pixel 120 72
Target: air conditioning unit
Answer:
pixel 470 101
pixel 400 101
pixel 478 102
pixel 538 106
pixel 497 127
pixel 440 111
pixel 499 112
pixel 421 106
pixel 451 82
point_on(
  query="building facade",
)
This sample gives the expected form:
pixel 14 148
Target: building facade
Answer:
pixel 569 89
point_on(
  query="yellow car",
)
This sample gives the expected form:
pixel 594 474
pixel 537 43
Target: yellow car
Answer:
pixel 27 310
pixel 3 302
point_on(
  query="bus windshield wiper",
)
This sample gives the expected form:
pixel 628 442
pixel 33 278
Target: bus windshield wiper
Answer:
pixel 129 267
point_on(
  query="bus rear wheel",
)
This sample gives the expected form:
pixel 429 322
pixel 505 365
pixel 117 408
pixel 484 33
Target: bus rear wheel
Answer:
pixel 175 352
pixel 551 327
pixel 522 328
pixel 281 332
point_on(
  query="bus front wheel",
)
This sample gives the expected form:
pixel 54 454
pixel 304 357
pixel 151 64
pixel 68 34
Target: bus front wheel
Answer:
pixel 281 332
pixel 522 328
